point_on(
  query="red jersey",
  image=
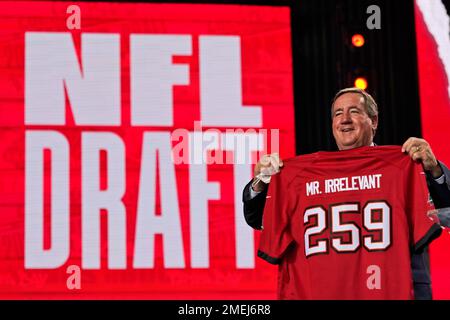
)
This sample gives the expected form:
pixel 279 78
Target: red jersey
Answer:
pixel 342 224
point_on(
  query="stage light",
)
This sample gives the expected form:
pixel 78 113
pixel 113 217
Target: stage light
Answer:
pixel 358 40
pixel 361 83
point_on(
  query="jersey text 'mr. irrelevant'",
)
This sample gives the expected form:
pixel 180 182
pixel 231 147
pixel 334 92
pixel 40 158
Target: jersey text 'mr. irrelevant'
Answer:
pixel 353 183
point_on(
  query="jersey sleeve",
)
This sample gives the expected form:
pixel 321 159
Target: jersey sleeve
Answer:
pixel 276 235
pixel 423 229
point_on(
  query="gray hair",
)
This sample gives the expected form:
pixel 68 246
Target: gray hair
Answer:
pixel 369 103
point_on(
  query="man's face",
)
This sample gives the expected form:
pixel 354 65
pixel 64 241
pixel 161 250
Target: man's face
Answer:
pixel 352 126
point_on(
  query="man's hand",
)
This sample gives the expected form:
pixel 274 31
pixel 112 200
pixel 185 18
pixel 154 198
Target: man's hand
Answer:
pixel 267 166
pixel 420 150
pixel 440 216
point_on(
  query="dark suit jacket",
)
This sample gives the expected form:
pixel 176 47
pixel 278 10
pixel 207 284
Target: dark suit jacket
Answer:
pixel 420 265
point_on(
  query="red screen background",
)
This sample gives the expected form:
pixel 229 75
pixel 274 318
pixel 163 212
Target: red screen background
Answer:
pixel 435 113
pixel 266 81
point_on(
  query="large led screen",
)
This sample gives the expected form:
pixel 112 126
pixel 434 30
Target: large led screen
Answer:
pixel 433 49
pixel 128 131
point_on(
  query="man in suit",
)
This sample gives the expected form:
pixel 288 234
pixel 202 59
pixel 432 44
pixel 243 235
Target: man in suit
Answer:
pixel 355 119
